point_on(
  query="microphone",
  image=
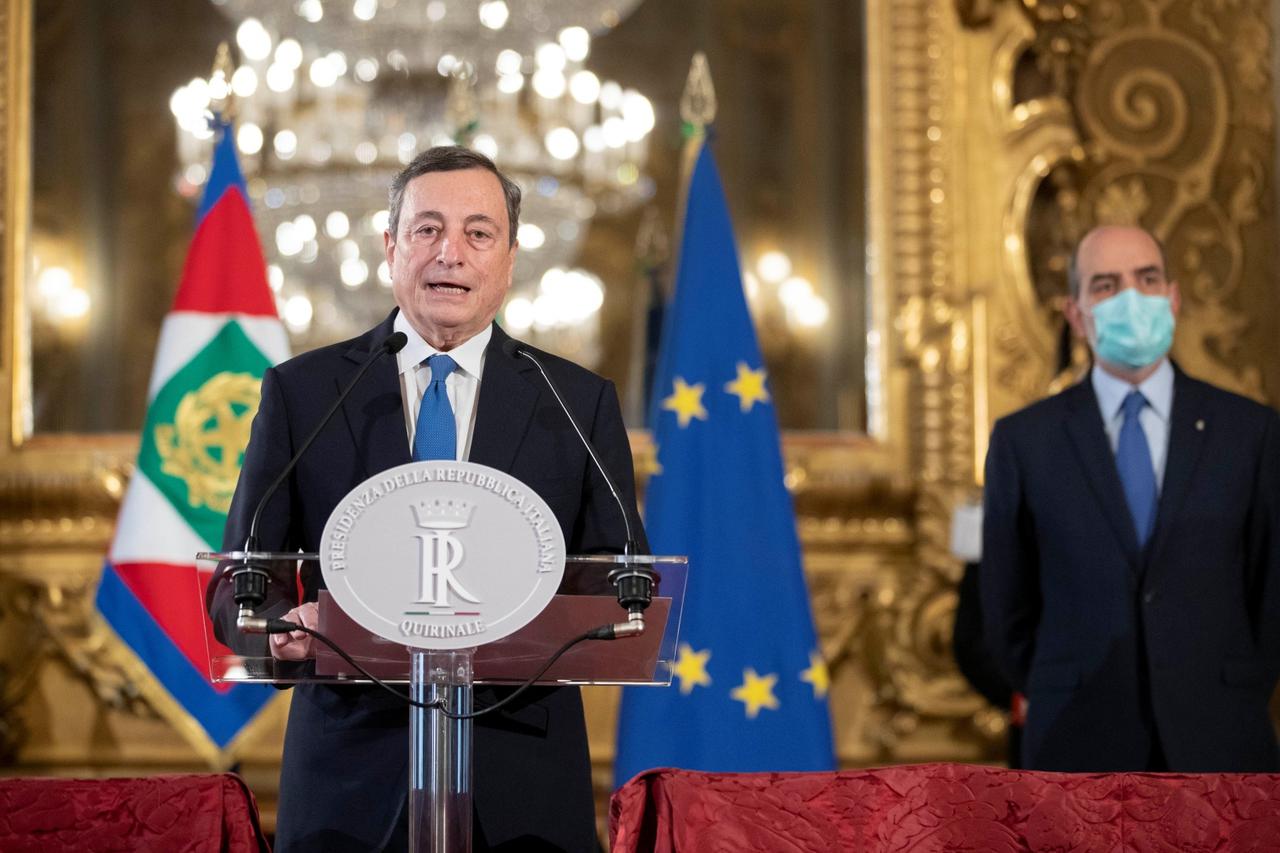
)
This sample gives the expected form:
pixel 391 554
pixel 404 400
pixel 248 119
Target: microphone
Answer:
pixel 634 583
pixel 251 578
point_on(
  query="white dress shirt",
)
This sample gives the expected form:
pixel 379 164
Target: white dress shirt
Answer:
pixel 1158 389
pixel 462 385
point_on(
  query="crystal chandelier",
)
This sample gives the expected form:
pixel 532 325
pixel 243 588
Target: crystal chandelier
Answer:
pixel 415 34
pixel 321 132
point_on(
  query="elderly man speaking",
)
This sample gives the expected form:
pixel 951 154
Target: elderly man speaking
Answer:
pixel 452 392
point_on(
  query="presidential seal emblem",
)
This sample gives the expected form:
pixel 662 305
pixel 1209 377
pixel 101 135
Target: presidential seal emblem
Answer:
pixel 442 555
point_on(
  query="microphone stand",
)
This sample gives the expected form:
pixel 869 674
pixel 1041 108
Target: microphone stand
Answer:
pixel 633 582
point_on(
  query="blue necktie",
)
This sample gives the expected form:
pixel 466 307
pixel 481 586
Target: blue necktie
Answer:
pixel 436 436
pixel 1133 459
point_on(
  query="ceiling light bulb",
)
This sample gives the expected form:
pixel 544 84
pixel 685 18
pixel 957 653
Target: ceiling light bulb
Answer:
pixel 253 39
pixel 509 62
pixel 337 225
pixel 550 56
pixel 576 42
pixel 289 53
pixel 585 87
pixel 562 143
pixel 249 138
pixel 244 82
pixel 773 266
pixel 494 14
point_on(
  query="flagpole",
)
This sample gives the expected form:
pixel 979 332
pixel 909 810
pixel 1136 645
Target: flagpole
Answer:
pixel 653 289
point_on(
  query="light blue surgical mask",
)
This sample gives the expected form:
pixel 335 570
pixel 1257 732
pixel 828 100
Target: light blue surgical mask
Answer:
pixel 1133 329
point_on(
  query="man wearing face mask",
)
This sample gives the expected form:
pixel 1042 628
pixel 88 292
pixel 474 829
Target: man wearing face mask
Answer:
pixel 1131 544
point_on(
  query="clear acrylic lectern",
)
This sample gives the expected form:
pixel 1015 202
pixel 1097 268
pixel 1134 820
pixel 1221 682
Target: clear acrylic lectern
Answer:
pixel 440 787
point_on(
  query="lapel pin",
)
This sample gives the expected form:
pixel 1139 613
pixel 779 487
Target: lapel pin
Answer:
pixel 1200 425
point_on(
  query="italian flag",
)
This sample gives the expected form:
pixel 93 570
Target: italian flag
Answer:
pixel 220 336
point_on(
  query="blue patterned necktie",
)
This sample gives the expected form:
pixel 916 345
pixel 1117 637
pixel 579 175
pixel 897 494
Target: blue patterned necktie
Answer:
pixel 1133 460
pixel 436 435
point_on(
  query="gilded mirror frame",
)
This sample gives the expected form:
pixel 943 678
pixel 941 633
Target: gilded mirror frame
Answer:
pixel 58 490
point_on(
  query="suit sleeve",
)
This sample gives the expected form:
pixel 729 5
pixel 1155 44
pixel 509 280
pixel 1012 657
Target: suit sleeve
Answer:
pixel 1263 573
pixel 268 451
pixel 1009 580
pixel 972 653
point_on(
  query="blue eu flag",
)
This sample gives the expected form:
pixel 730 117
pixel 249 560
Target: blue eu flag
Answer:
pixel 749 689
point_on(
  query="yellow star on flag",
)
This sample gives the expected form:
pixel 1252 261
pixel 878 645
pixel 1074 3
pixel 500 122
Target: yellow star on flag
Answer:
pixel 691 668
pixel 756 692
pixel 749 386
pixel 686 402
pixel 817 675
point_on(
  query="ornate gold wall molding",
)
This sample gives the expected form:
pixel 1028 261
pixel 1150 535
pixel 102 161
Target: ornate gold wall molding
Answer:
pixel 908 701
pixel 1150 112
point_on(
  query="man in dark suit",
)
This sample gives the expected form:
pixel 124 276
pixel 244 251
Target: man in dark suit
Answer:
pixel 1131 544
pixel 450 246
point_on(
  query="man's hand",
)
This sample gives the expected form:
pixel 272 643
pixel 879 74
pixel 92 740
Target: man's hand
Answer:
pixel 296 645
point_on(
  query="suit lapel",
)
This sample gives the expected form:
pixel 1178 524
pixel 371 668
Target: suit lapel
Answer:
pixel 507 402
pixel 1186 441
pixel 1089 439
pixel 374 410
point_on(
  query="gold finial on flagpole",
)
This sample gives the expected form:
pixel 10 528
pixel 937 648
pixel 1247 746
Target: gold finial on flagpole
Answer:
pixel 697 112
pixel 221 100
pixel 698 103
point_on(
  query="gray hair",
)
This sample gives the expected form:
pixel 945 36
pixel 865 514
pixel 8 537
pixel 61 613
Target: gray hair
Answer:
pixel 1073 265
pixel 452 158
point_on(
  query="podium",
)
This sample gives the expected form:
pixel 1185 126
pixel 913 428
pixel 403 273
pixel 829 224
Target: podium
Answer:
pixel 440 790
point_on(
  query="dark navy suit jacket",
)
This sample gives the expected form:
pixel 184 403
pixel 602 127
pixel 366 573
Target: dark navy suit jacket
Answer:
pixel 1114 646
pixel 345 768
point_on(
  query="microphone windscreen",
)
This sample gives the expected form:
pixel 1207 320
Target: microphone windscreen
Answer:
pixel 395 342
pixel 511 348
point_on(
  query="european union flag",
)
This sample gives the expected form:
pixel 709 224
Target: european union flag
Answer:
pixel 749 688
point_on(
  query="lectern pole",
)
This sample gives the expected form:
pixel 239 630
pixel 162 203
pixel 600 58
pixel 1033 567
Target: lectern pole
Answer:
pixel 440 772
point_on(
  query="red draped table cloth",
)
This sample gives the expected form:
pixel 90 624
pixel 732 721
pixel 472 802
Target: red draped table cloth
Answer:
pixel 175 814
pixel 945 807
